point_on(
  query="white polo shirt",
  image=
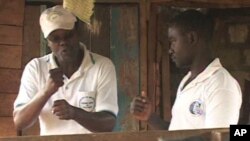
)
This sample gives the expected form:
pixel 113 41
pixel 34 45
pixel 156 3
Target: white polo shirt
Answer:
pixel 93 87
pixel 212 100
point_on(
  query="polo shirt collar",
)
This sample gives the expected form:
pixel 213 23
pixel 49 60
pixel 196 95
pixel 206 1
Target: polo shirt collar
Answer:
pixel 88 59
pixel 209 71
pixel 52 62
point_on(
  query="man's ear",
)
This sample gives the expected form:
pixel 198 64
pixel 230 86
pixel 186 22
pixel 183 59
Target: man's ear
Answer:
pixel 47 43
pixel 193 37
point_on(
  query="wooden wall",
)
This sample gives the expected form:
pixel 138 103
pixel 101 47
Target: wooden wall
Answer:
pixel 11 45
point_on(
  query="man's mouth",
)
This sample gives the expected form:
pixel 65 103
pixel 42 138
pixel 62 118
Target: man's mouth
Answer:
pixel 65 51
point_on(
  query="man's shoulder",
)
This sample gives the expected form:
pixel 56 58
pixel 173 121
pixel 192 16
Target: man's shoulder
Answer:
pixel 39 61
pixel 223 79
pixel 100 59
pixel 222 74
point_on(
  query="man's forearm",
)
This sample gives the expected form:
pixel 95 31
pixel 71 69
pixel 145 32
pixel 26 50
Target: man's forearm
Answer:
pixel 95 121
pixel 25 115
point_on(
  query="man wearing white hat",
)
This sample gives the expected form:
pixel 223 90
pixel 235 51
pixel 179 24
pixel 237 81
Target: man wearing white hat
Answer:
pixel 71 90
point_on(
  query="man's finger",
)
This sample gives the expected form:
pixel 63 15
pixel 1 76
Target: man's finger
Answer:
pixel 143 93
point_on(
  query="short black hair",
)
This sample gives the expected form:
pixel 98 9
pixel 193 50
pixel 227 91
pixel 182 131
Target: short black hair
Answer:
pixel 193 20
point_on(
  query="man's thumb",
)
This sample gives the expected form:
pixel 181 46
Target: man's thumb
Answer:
pixel 143 93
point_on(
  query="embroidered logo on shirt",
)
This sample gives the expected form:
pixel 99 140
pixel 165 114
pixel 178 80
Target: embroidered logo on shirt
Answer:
pixel 87 103
pixel 196 107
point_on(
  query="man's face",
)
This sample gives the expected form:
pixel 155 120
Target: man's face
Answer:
pixel 64 44
pixel 180 50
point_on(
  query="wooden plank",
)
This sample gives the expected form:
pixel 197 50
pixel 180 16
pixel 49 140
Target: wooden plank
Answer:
pixel 143 52
pixel 11 35
pixel 96 1
pixel 205 3
pixel 33 130
pixel 10 56
pixel 100 41
pixel 101 30
pixel 45 1
pixel 211 3
pixel 152 31
pixel 205 134
pixel 7 127
pixel 143 45
pixel 125 55
pixel 10 80
pixel 227 2
pixel 6 101
pixel 118 1
pixel 163 46
pixel 31 39
pixel 220 135
pixel 12 12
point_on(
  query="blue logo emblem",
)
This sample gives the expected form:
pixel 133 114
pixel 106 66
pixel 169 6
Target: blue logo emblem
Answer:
pixel 196 107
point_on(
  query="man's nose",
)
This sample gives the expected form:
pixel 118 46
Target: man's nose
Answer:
pixel 63 42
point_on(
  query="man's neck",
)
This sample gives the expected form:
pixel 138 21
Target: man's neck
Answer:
pixel 70 67
pixel 200 64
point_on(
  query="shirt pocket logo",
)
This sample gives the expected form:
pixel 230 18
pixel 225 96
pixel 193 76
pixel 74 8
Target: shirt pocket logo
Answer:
pixel 197 108
pixel 87 101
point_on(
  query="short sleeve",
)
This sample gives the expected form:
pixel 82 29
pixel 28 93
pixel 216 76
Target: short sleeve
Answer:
pixel 28 87
pixel 222 108
pixel 107 89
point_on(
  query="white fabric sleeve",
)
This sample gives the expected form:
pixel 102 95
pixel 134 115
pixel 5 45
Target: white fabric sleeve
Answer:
pixel 28 87
pixel 222 108
pixel 106 99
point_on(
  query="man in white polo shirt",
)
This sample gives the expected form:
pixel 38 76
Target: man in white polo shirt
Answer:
pixel 208 96
pixel 71 90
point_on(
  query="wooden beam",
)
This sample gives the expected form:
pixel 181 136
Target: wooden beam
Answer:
pixel 96 1
pixel 124 47
pixel 180 3
pixel 151 59
pixel 205 3
pixel 11 35
pixel 44 1
pixel 163 60
pixel 118 1
pixel 205 134
pixel 143 51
